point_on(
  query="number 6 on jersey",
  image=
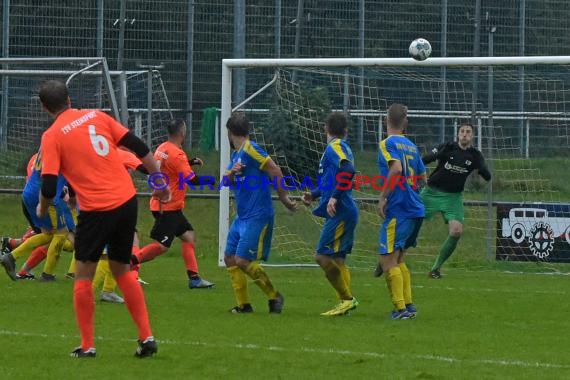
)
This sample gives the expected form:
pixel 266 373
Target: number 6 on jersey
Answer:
pixel 100 143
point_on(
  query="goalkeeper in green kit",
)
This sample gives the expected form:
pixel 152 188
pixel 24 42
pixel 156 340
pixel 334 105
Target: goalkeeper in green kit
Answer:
pixel 444 190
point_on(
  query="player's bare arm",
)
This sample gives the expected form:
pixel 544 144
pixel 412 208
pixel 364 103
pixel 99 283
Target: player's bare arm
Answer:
pixel 347 170
pixel 274 171
pixel 152 166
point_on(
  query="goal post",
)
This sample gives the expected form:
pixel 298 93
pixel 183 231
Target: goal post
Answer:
pixel 145 107
pixel 416 83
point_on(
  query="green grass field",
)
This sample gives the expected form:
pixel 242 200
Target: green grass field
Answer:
pixel 479 324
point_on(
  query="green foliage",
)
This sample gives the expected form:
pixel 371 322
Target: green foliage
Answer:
pixel 298 134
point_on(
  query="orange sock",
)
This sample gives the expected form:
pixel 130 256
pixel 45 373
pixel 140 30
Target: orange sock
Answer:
pixel 29 232
pixel 37 256
pixel 189 257
pixel 135 251
pixel 149 252
pixel 84 305
pixel 134 299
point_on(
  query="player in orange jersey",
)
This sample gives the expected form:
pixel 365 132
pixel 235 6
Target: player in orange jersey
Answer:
pixel 82 146
pixel 169 219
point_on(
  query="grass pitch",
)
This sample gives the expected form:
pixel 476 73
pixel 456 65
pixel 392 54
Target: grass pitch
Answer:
pixel 471 324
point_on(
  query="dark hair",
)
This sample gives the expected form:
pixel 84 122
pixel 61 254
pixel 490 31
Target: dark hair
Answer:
pixel 336 124
pixel 238 124
pixel 397 114
pixel 175 126
pixel 466 124
pixel 54 95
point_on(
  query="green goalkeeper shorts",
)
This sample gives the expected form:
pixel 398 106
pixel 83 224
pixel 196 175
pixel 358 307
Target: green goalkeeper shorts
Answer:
pixel 449 204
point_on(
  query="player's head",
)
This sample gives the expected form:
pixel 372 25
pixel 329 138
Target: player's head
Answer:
pixel 176 130
pixel 465 135
pixel 336 125
pixel 238 125
pixel 54 96
pixel 397 118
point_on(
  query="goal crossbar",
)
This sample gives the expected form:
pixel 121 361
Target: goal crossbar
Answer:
pixel 399 62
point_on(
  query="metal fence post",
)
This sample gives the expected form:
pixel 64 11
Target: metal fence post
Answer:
pixel 99 47
pixel 361 26
pixel 149 109
pixel 491 216
pixel 443 92
pixel 239 50
pixel 522 26
pixel 189 73
pixel 5 87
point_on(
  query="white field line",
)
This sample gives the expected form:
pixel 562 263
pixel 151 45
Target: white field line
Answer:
pixel 491 290
pixel 380 283
pixel 313 350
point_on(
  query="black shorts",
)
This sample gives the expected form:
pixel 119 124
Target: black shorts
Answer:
pixel 114 229
pixel 168 225
pixel 29 218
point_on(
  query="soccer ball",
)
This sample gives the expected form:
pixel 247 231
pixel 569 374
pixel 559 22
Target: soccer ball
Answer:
pixel 420 49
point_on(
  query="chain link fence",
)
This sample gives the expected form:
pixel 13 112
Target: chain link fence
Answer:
pixel 187 39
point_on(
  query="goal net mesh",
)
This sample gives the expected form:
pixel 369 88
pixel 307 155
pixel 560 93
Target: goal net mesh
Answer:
pixel 523 134
pixel 23 120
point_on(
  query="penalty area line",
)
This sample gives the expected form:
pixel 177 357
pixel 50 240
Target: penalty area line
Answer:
pixel 313 350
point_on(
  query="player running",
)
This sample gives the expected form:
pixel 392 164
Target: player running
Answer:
pixel 169 221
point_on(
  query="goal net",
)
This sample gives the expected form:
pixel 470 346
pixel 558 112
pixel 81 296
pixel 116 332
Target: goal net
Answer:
pixel 91 85
pixel 516 105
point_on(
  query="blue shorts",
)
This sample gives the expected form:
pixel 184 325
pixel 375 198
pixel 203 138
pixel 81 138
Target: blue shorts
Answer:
pixel 337 236
pixel 58 216
pixel 250 238
pixel 398 233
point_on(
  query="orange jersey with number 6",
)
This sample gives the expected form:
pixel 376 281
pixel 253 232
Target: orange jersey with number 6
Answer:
pixel 82 146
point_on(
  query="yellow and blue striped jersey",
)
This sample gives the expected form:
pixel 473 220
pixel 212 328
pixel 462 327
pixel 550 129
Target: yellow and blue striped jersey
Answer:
pixel 253 197
pixel 404 200
pixel 34 183
pixel 335 153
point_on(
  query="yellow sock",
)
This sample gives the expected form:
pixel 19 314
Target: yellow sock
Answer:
pixel 68 246
pixel 335 276
pixel 258 275
pixel 30 243
pixel 71 268
pixel 53 252
pixel 239 283
pixel 345 273
pixel 109 284
pixel 396 287
pixel 407 279
pixel 100 273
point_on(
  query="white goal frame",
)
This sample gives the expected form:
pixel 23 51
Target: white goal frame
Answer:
pixel 226 100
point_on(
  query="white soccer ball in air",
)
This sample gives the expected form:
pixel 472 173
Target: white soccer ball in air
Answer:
pixel 420 49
